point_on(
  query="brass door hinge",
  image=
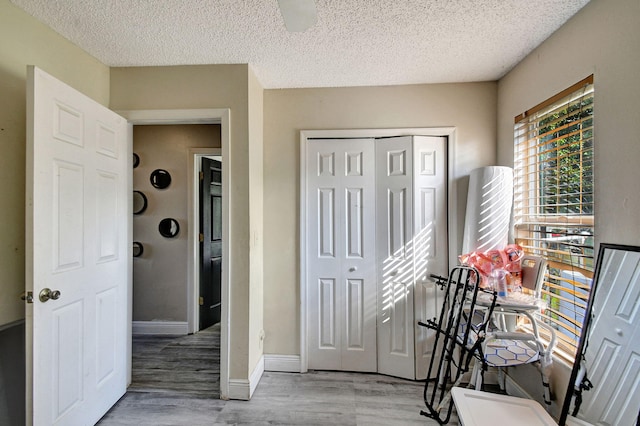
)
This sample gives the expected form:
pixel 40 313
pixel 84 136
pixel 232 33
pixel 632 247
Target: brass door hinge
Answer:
pixel 201 175
pixel 201 300
pixel 201 237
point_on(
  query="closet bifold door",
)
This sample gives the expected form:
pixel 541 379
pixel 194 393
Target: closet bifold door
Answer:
pixel 340 254
pixel 430 240
pixel 394 201
pixel 411 216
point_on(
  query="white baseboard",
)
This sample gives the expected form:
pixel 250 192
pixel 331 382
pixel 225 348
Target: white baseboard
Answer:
pixel 256 376
pixel 282 363
pixel 243 389
pixel 239 389
pixel 160 327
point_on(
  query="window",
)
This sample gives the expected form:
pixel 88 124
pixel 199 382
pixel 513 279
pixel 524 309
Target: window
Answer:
pixel 553 203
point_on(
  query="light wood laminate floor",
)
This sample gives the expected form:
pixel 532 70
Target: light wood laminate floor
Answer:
pixel 175 381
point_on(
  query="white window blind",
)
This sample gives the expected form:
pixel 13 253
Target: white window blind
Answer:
pixel 553 202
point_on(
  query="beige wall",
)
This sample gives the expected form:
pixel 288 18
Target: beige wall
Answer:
pixel 24 41
pixel 208 86
pixel 470 108
pixel 602 39
pixel 256 245
pixel 160 274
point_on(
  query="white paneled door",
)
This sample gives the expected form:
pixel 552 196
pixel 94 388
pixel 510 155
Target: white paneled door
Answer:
pixel 411 218
pixel 77 254
pixel 376 228
pixel 341 255
pixel 394 160
pixel 613 349
pixel 430 239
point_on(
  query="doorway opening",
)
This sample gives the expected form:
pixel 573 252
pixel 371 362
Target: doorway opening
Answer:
pixel 162 293
pixel 190 233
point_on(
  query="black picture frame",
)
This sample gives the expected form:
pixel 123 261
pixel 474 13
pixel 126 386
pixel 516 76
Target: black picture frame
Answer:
pixel 160 179
pixel 140 202
pixel 138 249
pixel 169 227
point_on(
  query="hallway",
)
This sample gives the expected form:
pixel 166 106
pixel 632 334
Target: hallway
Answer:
pixel 175 381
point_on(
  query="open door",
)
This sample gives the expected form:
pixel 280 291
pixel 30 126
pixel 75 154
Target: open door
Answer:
pixel 77 259
pixel 211 242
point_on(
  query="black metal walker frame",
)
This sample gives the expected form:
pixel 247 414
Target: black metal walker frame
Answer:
pixel 459 333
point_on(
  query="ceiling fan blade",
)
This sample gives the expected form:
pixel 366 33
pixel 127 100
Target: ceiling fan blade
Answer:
pixel 298 15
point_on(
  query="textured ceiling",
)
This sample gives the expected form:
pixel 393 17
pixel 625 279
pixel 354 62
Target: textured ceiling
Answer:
pixel 354 42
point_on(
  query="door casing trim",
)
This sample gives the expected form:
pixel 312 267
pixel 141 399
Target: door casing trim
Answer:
pixel 305 135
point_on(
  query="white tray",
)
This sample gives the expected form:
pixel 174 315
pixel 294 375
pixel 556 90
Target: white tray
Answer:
pixel 476 408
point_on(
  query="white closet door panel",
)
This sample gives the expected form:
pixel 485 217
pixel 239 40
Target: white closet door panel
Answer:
pixel 323 255
pixel 397 226
pixel 355 315
pixel 430 206
pixel 340 255
pixel 358 259
pixel 430 238
pixel 355 226
pixel 395 257
pixel 327 313
pixel 399 320
pixel 326 222
pixel 428 305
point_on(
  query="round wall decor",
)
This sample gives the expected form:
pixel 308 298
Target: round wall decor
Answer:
pixel 138 249
pixel 136 160
pixel 139 202
pixel 160 178
pixel 168 227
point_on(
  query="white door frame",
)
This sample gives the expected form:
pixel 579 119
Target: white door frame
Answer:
pixel 449 132
pixel 220 116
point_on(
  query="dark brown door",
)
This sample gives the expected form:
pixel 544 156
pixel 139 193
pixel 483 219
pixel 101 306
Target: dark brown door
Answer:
pixel 210 242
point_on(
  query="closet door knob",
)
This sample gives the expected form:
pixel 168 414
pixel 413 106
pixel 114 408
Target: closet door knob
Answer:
pixel 353 269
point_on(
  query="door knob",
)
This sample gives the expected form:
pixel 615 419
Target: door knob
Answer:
pixel 353 269
pixel 47 293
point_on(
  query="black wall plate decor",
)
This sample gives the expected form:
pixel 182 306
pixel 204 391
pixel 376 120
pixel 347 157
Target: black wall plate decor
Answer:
pixel 136 160
pixel 160 178
pixel 138 249
pixel 139 202
pixel 169 227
